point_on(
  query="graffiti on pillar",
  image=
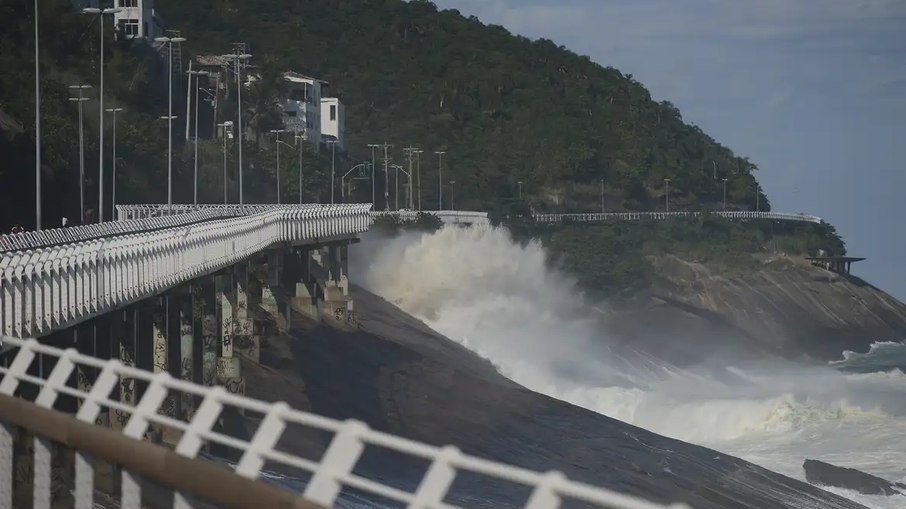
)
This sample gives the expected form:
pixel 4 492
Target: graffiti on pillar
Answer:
pixel 209 349
pixel 160 345
pixel 168 406
pixel 127 387
pixel 235 385
pixel 351 318
pixel 340 314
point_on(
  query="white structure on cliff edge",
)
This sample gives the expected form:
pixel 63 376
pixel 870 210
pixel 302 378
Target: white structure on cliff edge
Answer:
pixel 302 106
pixel 137 19
pixel 333 120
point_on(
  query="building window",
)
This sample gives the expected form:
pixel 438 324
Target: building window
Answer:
pixel 128 3
pixel 333 113
pixel 129 27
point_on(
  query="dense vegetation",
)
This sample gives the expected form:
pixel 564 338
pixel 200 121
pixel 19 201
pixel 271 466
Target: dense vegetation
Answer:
pixel 620 258
pixel 505 108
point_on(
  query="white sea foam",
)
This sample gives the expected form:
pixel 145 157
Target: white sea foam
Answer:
pixel 499 299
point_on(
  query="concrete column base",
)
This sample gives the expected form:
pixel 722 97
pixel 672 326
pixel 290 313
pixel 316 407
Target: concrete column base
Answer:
pixel 229 375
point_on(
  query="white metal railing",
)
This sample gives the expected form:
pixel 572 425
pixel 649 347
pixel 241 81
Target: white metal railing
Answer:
pixel 446 216
pixel 146 211
pixel 49 288
pixel 330 474
pixel 638 216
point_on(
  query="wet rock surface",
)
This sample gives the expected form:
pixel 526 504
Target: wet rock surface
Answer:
pixel 397 375
pixel 825 474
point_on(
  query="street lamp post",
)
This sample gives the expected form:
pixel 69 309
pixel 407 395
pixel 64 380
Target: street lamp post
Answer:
pixel 240 57
pixel 520 190
pixel 301 140
pixel 667 196
pixel 113 164
pixel 452 183
pixel 725 195
pixel 101 13
pixel 440 179
pixel 37 128
pixel 602 196
pixel 276 133
pixel 80 99
pixel 418 177
pixel 197 75
pixel 333 150
pixel 372 146
pixel 169 118
pixel 757 198
pixel 224 136
pixel 343 180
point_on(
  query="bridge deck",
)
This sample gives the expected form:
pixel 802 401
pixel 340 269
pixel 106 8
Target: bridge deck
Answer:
pixel 93 269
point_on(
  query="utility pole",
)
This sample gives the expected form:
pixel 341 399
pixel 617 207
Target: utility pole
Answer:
pixel 725 195
pixel 452 183
pixel 333 152
pixel 373 146
pixel 189 96
pixel 520 190
pixel 197 75
pixel 224 136
pixel 113 165
pixel 602 196
pixel 440 179
pixel 80 99
pixel 667 196
pixel 169 118
pixel 386 176
pixel 409 152
pixel 418 177
pixel 301 140
pixel 101 13
pixel 37 128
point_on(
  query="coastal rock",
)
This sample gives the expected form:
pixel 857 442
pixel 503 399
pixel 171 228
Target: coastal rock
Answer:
pixel 819 472
pixel 788 307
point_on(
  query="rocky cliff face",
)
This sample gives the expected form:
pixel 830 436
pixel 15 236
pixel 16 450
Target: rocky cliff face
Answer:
pixel 787 307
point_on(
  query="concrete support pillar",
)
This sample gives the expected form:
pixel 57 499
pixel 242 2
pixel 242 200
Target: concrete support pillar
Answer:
pixel 228 372
pixel 186 355
pixel 210 348
pixel 245 341
pixel 124 332
pixel 162 334
pixel 336 291
pixel 302 284
pixel 270 289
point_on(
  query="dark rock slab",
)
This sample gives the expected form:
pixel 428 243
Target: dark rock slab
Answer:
pixel 819 472
pixel 399 376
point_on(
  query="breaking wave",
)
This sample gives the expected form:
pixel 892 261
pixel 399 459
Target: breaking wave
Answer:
pixel 500 299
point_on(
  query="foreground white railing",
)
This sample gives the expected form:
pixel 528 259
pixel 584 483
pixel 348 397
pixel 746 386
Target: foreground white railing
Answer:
pixel 330 474
pixel 660 216
pixel 48 288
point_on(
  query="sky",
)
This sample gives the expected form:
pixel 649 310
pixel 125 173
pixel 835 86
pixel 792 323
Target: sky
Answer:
pixel 812 91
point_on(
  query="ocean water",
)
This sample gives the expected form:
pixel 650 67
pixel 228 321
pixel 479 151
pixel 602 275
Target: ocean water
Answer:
pixel 499 299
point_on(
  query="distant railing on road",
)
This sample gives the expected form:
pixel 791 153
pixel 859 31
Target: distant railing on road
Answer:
pixel 446 216
pixel 330 474
pixel 660 216
pixel 48 288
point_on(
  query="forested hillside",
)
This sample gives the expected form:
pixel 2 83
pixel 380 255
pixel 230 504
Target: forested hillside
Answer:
pixel 505 108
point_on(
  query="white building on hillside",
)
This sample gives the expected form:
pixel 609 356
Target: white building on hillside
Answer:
pixel 137 19
pixel 333 120
pixel 302 107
